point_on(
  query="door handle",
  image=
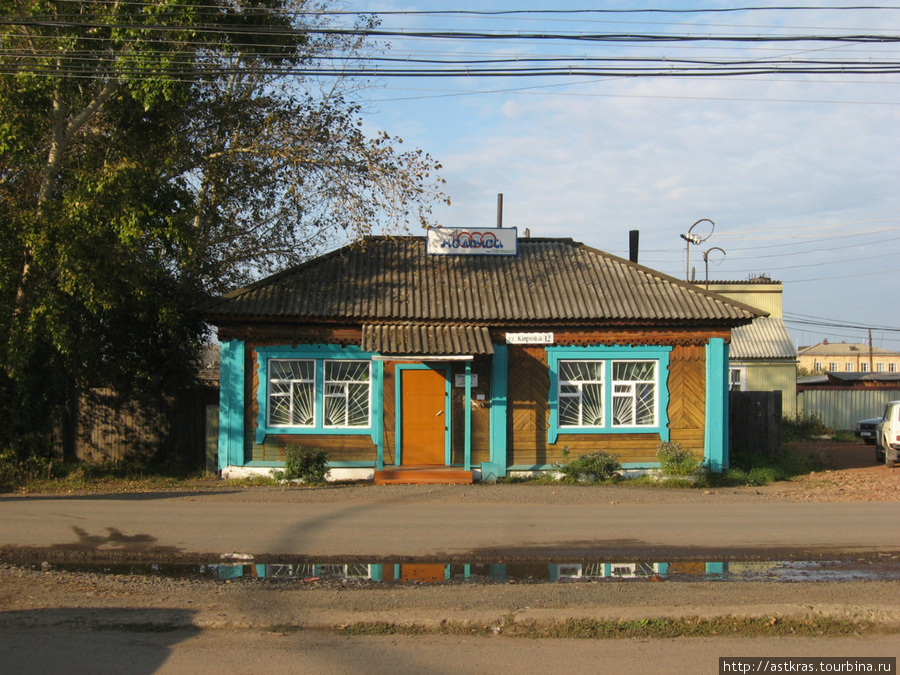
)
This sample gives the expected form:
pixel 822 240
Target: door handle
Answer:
pixel 439 413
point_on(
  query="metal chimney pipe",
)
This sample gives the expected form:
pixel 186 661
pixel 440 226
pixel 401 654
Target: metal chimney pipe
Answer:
pixel 633 237
pixel 499 210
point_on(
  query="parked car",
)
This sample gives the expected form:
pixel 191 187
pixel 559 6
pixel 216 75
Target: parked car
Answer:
pixel 865 429
pixel 887 436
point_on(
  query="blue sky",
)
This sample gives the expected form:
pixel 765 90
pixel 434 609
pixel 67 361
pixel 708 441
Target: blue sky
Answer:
pixel 800 173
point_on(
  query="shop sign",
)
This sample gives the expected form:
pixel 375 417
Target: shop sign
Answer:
pixel 488 241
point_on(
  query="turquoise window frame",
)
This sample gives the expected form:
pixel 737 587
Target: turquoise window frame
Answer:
pixel 608 354
pixel 319 353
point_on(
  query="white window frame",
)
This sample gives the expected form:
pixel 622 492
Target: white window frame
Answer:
pixel 740 381
pixel 627 389
pixel 575 390
pixel 619 389
pixel 344 393
pixel 292 383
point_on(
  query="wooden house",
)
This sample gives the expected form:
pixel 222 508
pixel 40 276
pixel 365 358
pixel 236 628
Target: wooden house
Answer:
pixel 478 359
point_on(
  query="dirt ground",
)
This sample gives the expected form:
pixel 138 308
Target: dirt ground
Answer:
pixel 852 475
pixel 42 595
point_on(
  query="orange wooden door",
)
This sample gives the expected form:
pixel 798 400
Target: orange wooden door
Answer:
pixel 423 417
pixel 424 572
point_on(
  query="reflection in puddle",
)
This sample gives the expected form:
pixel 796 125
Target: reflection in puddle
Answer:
pixel 534 572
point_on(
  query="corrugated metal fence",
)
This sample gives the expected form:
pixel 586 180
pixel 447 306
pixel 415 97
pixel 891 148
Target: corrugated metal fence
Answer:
pixel 151 426
pixel 841 409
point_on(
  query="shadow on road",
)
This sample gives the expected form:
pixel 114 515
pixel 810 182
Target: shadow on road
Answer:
pixel 73 640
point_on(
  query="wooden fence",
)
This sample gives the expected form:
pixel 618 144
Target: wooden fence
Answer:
pixel 147 425
pixel 754 423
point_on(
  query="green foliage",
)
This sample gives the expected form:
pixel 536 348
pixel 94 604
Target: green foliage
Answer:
pixel 172 165
pixel 45 475
pixel 761 470
pixel 15 471
pixel 842 437
pixel 676 461
pixel 593 466
pixel 802 427
pixel 309 465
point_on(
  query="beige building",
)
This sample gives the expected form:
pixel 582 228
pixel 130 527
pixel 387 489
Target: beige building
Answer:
pixel 762 356
pixel 847 357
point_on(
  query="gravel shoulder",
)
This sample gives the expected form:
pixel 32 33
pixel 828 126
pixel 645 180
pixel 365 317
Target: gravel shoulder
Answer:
pixel 35 598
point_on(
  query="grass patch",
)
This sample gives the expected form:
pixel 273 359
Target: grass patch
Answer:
pixel 383 628
pixel 109 476
pixel 717 627
pixel 258 480
pixel 591 629
pixel 760 470
pixel 284 628
pixel 144 627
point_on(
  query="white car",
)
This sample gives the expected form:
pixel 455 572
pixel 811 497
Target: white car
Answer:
pixel 887 436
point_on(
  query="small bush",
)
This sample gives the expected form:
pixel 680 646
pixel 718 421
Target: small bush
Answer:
pixel 309 465
pixel 802 427
pixel 15 471
pixel 594 466
pixel 676 461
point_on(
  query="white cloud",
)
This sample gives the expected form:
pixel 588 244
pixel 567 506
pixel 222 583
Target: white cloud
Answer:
pixel 594 160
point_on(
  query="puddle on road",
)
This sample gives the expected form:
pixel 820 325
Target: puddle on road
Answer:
pixel 519 572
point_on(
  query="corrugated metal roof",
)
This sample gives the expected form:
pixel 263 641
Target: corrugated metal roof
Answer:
pixel 426 339
pixel 765 338
pixel 864 377
pixel 844 349
pixel 392 279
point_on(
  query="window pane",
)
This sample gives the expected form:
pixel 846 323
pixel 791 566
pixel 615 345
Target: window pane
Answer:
pixel 347 371
pixel 623 411
pixel 358 405
pixel 335 412
pixel 592 402
pixel 293 369
pixel 634 371
pixel 570 411
pixel 645 405
pixel 280 405
pixel 581 371
pixel 303 404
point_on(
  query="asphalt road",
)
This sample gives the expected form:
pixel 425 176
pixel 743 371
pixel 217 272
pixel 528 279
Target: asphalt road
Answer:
pixel 171 525
pixel 25 651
